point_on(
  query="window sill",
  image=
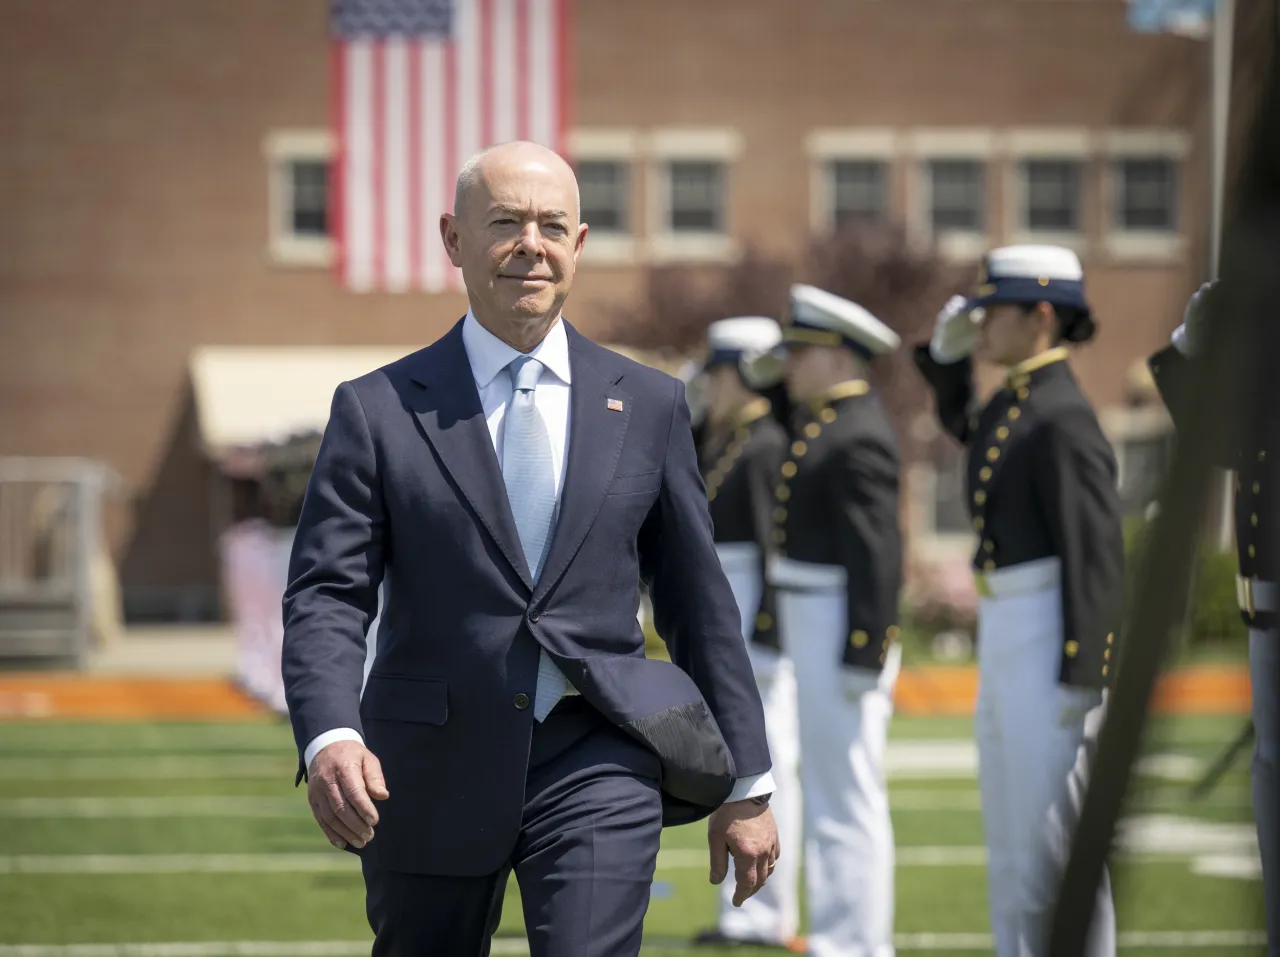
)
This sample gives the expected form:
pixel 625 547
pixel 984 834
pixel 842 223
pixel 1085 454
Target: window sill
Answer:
pixel 1078 243
pixel 1155 247
pixel 672 248
pixel 961 246
pixel 610 249
pixel 302 252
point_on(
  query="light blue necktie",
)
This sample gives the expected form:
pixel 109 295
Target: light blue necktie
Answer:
pixel 531 490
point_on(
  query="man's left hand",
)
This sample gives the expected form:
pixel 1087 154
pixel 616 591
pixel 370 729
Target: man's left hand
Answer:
pixel 746 831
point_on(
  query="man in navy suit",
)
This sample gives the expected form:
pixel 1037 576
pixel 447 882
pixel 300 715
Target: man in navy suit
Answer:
pixel 512 484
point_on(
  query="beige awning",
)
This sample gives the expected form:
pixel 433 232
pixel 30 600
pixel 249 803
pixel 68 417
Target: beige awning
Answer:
pixel 247 396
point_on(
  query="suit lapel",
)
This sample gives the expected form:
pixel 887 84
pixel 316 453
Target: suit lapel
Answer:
pixel 598 417
pixel 449 411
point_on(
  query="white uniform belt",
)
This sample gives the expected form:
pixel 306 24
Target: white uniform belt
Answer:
pixel 1035 576
pixel 787 573
pixel 1254 596
pixel 739 558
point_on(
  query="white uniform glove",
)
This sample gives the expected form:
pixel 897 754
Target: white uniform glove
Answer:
pixel 955 334
pixel 1188 338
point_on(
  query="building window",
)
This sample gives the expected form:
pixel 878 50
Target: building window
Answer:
pixel 1052 195
pixel 309 197
pixel 1146 194
pixel 957 195
pixel 696 203
pixel 299 169
pixel 858 191
pixel 605 188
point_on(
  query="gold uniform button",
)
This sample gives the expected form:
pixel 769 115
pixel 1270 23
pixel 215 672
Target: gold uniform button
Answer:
pixel 1262 456
pixel 993 453
pixel 978 524
pixel 859 639
pixel 979 497
pixel 988 546
pixel 1072 648
pixel 892 632
pixel 985 474
pixel 1111 639
pixel 799 448
pixel 1105 669
pixel 782 493
pixel 1253 519
pixel 764 621
pixel 1014 413
pixel 813 430
pixel 779 536
pixel 1002 433
pixel 1106 654
pixel 827 415
pixel 779 514
pixel 1257 487
pixel 789 469
pixel 988 566
pixel 1253 552
pixel 1024 393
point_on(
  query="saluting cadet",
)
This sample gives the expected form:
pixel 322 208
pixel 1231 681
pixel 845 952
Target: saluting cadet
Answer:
pixel 838 570
pixel 741 450
pixel 1049 566
pixel 1244 451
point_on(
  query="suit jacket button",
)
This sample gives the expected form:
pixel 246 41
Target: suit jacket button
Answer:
pixel 533 617
pixel 521 701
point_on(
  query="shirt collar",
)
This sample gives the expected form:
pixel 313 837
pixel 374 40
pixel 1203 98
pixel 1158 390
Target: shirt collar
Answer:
pixel 489 355
pixel 1024 369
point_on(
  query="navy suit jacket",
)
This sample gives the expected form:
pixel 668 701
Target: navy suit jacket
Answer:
pixel 407 487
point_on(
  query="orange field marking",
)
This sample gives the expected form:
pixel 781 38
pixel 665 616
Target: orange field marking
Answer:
pixel 921 691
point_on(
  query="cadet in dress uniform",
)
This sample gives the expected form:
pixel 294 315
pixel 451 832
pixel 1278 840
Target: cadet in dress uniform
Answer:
pixel 838 571
pixel 1244 453
pixel 741 448
pixel 1049 566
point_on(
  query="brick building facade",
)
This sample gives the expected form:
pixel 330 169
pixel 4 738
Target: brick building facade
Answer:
pixel 161 177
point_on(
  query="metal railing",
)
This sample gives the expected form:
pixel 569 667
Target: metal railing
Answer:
pixel 50 536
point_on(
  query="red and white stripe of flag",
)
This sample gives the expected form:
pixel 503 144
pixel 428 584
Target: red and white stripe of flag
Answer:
pixel 408 113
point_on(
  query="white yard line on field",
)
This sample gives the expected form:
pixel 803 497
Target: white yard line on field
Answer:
pixel 946 759
pixel 147 807
pixel 1155 940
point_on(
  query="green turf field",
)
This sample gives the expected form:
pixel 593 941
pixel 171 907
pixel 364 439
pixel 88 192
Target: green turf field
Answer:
pixel 192 837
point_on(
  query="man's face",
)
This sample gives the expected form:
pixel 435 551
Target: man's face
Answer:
pixel 517 238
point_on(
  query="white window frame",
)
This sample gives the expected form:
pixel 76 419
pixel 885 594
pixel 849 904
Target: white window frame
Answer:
pixel 695 144
pixel 978 144
pixel 284 246
pixel 1140 244
pixel 616 145
pixel 1067 144
pixel 855 144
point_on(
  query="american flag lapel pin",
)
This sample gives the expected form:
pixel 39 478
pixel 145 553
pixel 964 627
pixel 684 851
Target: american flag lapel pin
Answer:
pixel 615 405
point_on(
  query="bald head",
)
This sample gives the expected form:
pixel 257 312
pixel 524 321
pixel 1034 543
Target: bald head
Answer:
pixel 503 159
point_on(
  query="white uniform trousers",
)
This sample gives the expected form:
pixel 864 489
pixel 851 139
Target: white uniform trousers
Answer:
pixel 1264 671
pixel 773 914
pixel 1036 739
pixel 844 727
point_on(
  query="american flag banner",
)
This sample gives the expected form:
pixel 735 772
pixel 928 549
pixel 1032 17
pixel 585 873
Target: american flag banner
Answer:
pixel 418 86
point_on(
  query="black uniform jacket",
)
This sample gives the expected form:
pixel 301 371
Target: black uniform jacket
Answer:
pixel 836 503
pixel 739 467
pixel 1042 483
pixel 1243 451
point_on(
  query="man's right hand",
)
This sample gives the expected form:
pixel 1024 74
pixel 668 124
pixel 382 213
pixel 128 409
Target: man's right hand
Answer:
pixel 343 781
